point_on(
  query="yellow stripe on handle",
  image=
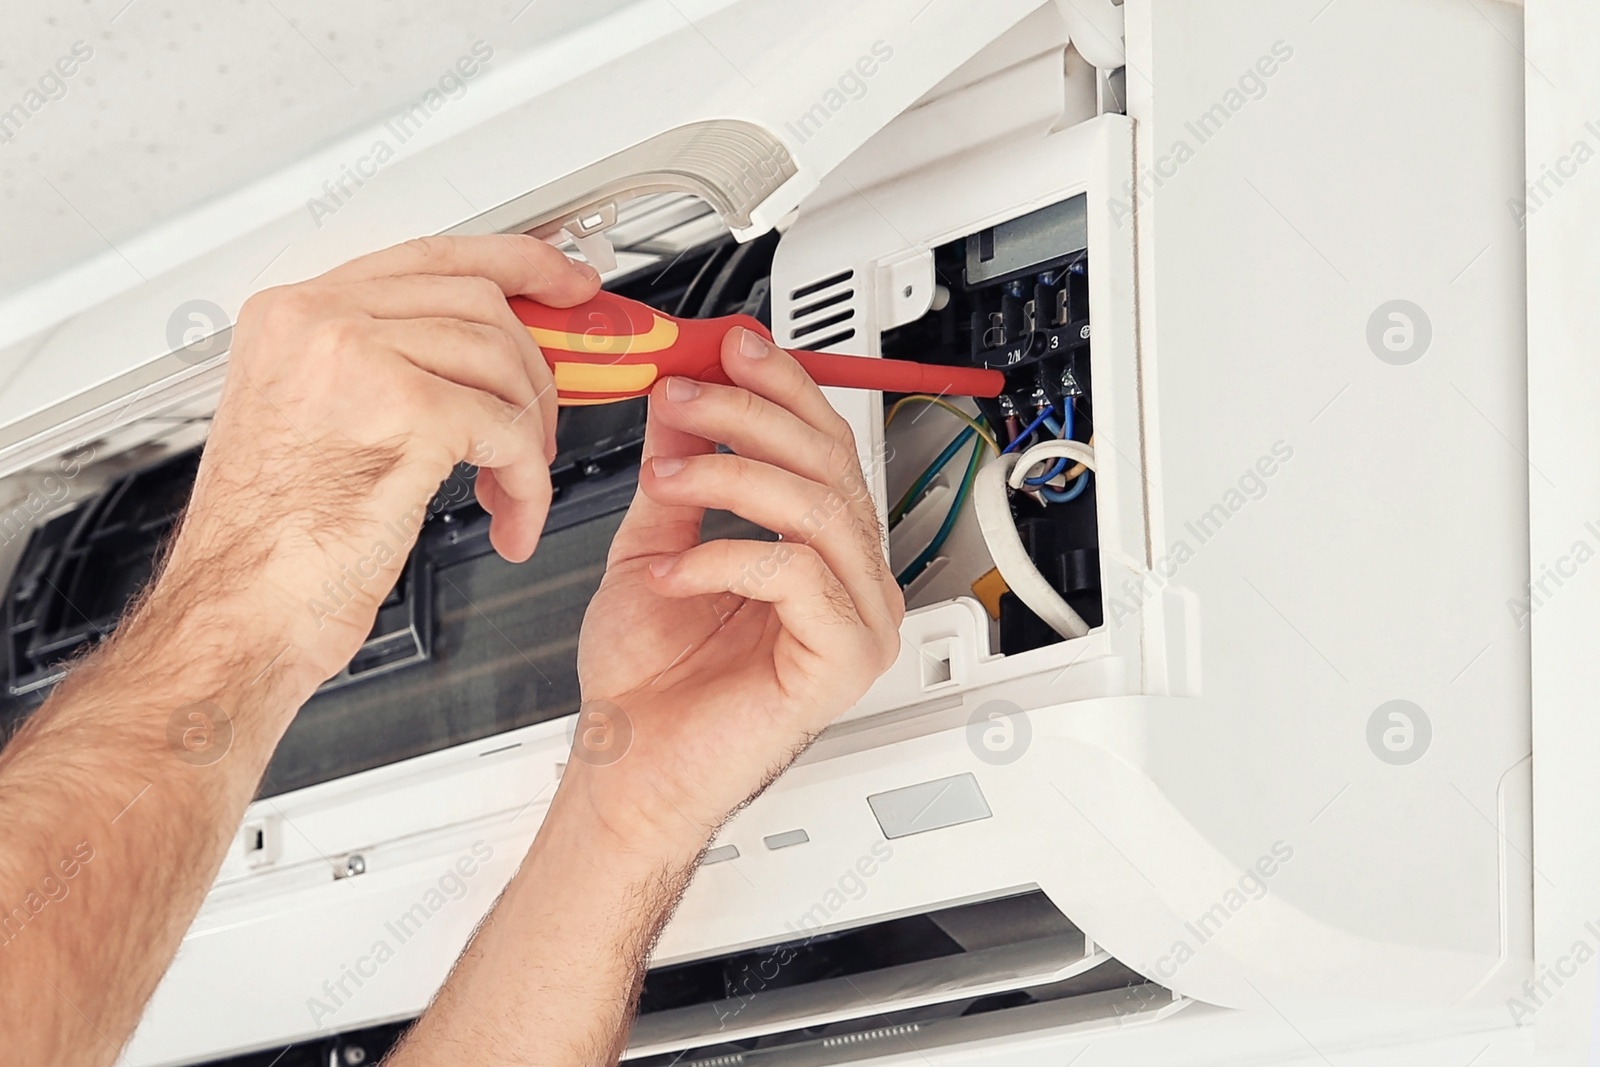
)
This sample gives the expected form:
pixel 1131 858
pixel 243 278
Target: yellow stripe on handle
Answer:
pixel 604 377
pixel 663 334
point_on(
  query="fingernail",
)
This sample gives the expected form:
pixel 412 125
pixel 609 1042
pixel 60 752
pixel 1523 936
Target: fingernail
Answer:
pixel 667 466
pixel 585 269
pixel 753 346
pixel 662 564
pixel 680 389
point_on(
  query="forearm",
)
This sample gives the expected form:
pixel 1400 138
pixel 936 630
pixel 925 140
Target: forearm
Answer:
pixel 119 798
pixel 349 398
pixel 700 684
pixel 553 975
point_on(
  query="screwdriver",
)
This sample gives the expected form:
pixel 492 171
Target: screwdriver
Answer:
pixel 613 348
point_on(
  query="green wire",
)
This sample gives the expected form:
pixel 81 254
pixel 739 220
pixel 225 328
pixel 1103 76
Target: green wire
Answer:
pixel 912 494
pixel 980 425
pixel 925 557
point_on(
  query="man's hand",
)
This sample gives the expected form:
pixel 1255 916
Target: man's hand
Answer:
pixel 349 398
pixel 725 659
pixel 706 668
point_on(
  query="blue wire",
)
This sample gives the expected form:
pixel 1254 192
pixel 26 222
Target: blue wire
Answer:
pixel 1063 434
pixel 1073 491
pixel 1068 495
pixel 1061 464
pixel 1027 433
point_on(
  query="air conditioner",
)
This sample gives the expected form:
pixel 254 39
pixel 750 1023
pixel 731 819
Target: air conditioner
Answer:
pixel 1276 800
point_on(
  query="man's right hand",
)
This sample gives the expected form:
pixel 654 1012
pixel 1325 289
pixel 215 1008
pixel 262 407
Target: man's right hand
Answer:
pixel 348 400
pixel 706 666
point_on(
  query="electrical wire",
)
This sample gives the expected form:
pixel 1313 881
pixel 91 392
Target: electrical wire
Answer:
pixel 915 568
pixel 1068 495
pixel 1028 431
pixel 926 398
pixel 1066 435
pixel 1078 470
pixel 1048 493
pixel 915 491
pixel 992 503
pixel 705 268
pixel 1046 451
pixel 919 486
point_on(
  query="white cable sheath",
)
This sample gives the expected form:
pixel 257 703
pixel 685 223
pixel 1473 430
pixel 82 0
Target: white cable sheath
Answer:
pixel 1076 451
pixel 991 501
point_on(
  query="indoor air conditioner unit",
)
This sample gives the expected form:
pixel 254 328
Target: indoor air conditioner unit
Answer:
pixel 1283 761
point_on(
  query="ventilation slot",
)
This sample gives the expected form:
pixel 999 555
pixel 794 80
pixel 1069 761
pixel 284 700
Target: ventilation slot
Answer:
pixel 820 308
pixel 826 302
pixel 822 324
pixel 822 344
pixel 817 286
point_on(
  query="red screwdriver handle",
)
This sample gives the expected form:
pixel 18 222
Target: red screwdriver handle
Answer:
pixel 612 348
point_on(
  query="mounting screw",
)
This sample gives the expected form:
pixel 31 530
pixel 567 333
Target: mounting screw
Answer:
pixel 355 864
pixel 354 1055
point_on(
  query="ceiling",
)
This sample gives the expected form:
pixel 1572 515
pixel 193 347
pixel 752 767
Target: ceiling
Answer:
pixel 162 155
pixel 171 103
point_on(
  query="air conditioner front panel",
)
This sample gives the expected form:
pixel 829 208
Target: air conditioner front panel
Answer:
pixel 1280 590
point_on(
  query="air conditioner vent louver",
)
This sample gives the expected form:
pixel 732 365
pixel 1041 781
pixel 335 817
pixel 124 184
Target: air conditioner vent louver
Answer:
pixel 831 996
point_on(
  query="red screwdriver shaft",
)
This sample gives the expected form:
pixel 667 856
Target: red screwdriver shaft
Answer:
pixel 611 348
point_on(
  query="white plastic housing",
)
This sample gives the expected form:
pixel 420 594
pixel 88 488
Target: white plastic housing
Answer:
pixel 1216 729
